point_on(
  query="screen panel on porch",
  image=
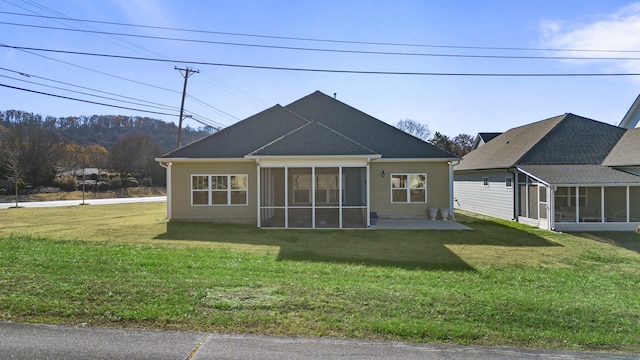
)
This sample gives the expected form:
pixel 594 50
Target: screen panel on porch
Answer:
pixel 319 197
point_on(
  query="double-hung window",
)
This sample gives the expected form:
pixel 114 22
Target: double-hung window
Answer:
pixel 219 190
pixel 408 188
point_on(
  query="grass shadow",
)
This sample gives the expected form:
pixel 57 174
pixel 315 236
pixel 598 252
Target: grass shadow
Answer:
pixel 408 249
pixel 624 239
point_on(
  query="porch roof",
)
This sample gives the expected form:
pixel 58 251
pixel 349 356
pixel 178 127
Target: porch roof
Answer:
pixel 579 175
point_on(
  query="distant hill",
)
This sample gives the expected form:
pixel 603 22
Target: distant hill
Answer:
pixel 106 130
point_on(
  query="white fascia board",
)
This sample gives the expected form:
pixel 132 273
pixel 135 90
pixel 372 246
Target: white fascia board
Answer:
pixel 533 176
pixel 304 161
pixel 201 160
pixel 397 160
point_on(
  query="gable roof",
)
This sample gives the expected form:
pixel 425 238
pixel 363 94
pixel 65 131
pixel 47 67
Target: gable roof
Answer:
pixel 316 124
pixel 627 150
pixel 566 139
pixel 483 138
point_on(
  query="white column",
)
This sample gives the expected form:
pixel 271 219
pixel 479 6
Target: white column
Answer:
pixel 169 192
pixel 258 193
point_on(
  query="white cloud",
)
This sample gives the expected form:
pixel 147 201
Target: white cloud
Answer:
pixel 618 31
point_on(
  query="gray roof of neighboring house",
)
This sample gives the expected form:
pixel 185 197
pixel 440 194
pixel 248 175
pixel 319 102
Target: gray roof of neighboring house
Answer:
pixel 579 174
pixel 316 124
pixel 483 138
pixel 566 139
pixel 627 150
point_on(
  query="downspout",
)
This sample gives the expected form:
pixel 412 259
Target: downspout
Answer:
pixel 516 198
pixel 451 197
pixel 167 165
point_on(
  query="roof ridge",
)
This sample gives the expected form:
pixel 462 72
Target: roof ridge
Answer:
pixel 345 136
pixel 562 118
pixel 281 137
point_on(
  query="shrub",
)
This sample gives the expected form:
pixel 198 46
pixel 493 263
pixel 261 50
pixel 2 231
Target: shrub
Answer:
pixel 115 183
pixel 130 182
pixel 102 186
pixel 66 183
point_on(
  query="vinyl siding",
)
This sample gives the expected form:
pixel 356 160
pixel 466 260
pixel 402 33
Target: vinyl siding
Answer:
pixel 437 189
pixel 181 208
pixel 494 200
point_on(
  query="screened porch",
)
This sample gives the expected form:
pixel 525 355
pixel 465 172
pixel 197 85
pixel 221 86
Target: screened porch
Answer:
pixel 313 197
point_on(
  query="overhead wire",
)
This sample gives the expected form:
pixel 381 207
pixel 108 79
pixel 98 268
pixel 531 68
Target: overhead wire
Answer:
pixel 86 101
pixel 127 44
pixel 337 41
pixel 342 51
pixel 341 71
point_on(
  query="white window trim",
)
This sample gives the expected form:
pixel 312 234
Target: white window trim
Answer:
pixel 408 188
pixel 508 182
pixel 210 191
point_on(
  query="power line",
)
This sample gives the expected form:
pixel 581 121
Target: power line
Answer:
pixel 338 41
pixel 85 101
pixel 339 71
pixel 141 102
pixel 296 48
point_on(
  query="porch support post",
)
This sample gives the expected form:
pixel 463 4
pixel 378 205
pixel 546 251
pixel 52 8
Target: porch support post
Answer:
pixel 258 188
pixel 169 192
pixel 451 191
pixel 628 203
pixel 368 216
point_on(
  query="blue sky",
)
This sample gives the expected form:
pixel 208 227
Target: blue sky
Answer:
pixel 451 104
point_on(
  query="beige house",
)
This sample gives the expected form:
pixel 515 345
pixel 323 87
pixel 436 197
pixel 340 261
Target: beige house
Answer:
pixel 315 163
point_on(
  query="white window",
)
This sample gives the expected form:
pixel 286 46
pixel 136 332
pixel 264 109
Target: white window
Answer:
pixel 508 182
pixel 485 181
pixel 220 190
pixel 408 188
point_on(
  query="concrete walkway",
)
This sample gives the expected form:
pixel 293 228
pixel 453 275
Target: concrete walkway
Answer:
pixel 419 225
pixel 31 341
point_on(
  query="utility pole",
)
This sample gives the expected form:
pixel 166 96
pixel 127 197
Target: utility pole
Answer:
pixel 187 72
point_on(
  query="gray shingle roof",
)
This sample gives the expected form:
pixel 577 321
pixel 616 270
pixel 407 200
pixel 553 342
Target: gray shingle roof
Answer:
pixel 505 150
pixel 566 139
pixel 627 150
pixel 579 174
pixel 575 140
pixel 316 124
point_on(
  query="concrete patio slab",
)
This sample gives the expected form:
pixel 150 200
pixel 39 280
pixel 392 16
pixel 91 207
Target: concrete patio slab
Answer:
pixel 418 225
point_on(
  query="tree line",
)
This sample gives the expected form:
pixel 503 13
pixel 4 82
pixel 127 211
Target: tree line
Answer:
pixel 38 150
pixel 459 145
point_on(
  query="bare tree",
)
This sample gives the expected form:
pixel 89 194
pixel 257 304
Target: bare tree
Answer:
pixel 414 128
pixel 462 144
pixel 10 156
pixel 442 141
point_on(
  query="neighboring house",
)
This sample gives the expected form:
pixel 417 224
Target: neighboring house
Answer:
pixel 315 163
pixel 483 138
pixel 566 173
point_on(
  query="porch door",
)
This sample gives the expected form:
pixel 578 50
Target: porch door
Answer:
pixel 543 221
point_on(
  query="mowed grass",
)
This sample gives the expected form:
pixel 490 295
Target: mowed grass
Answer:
pixel 499 284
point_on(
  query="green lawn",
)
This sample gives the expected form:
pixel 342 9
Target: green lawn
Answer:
pixel 500 284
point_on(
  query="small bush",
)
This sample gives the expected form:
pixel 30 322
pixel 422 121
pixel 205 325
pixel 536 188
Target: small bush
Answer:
pixel 115 183
pixel 102 186
pixel 66 183
pixel 130 182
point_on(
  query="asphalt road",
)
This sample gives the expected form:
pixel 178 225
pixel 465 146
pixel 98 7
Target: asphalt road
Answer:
pixel 78 202
pixel 38 341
